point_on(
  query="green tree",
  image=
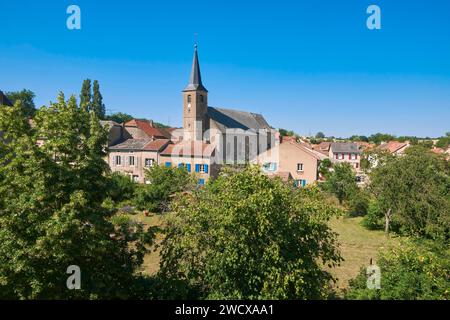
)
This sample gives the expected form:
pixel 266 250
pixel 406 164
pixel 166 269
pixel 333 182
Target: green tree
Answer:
pixel 119 117
pixel 320 135
pixel 163 183
pixel 97 102
pixel 25 99
pixel 341 181
pixel 86 95
pixel 444 142
pixel 51 213
pixel 246 236
pixel 381 137
pixel 286 133
pixel 121 187
pixel 413 192
pixel 414 270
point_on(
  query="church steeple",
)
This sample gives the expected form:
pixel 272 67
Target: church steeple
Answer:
pixel 195 104
pixel 195 80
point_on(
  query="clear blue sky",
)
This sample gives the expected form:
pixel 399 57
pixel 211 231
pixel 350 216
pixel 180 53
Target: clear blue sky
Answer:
pixel 305 65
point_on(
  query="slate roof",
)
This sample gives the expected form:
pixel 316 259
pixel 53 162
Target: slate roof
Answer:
pixel 344 147
pixel 130 145
pixel 236 119
pixel 195 79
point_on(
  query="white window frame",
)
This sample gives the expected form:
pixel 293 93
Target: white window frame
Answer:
pixel 152 162
pixel 302 167
pixel 134 161
pixel 118 163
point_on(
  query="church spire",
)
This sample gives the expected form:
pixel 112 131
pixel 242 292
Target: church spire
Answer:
pixel 195 80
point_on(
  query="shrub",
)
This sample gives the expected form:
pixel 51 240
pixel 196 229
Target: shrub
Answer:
pixel 413 271
pixel 374 219
pixel 121 187
pixel 164 183
pixel 359 203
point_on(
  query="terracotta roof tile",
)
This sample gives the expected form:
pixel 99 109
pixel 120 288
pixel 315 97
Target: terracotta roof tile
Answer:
pixel 189 148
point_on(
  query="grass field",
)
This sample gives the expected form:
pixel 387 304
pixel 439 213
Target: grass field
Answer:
pixel 357 245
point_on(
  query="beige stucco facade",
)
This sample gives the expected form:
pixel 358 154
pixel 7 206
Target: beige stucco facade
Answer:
pixel 291 157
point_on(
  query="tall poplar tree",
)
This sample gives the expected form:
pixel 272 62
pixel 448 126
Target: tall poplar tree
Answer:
pixel 86 95
pixel 97 101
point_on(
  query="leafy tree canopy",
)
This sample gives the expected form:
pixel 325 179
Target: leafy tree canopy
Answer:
pixel 26 100
pixel 416 188
pixel 119 117
pixel 246 236
pixel 51 213
pixel 412 270
pixel 341 181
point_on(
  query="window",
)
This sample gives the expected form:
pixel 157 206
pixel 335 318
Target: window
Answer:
pixel 300 167
pixel 270 166
pixel 131 160
pixel 201 98
pixel 353 156
pixel 189 99
pixel 299 183
pixel 118 160
pixel 202 168
pixel 149 162
pixel 135 178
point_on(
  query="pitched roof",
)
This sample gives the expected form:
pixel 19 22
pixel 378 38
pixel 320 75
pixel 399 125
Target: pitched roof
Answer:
pixel 189 149
pixel 156 145
pixel 311 152
pixel 109 123
pixel 195 79
pixel 393 146
pixel 148 128
pixel 344 147
pixel 4 100
pixel 130 145
pixel 228 118
pixel 283 175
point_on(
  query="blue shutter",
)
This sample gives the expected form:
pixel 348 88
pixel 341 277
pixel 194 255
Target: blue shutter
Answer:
pixel 206 168
pixel 201 182
pixel 303 183
pixel 197 168
pixel 168 164
pixel 188 167
pixel 180 165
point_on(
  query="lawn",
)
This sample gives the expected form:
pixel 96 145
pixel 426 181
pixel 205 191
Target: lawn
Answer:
pixel 357 245
pixel 151 259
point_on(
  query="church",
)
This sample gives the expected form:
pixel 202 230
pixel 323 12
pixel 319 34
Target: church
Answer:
pixel 210 137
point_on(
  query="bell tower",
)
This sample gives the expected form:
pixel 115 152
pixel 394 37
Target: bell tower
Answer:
pixel 195 104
